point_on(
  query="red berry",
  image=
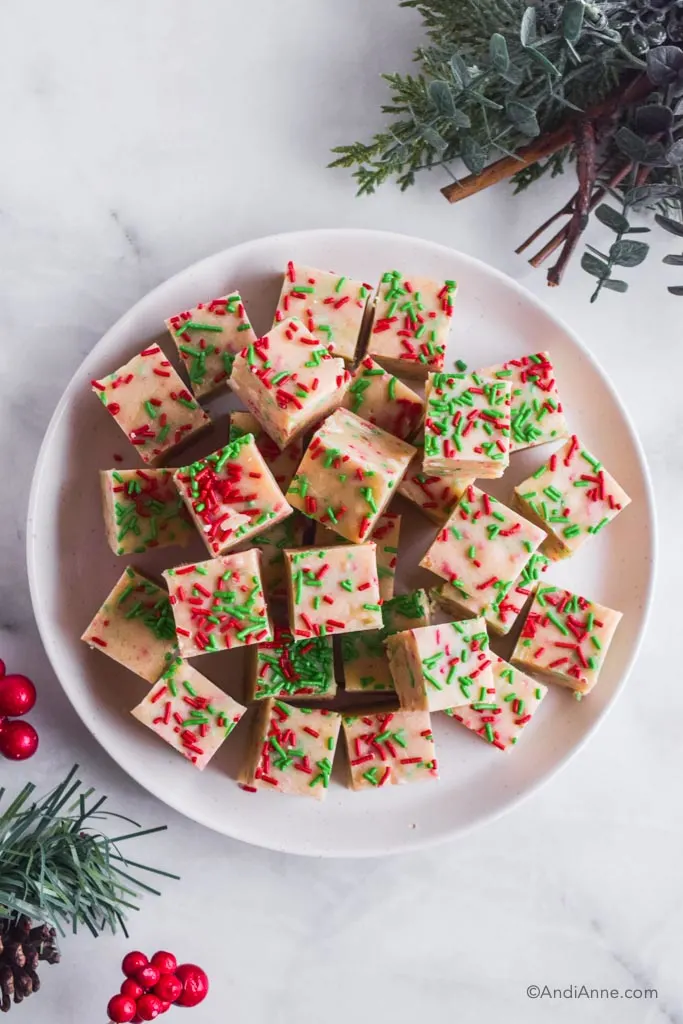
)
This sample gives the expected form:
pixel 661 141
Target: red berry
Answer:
pixel 132 962
pixel 168 987
pixel 121 1009
pixel 195 985
pixel 147 976
pixel 17 695
pixel 18 740
pixel 165 1006
pixel 149 1006
pixel 131 988
pixel 166 962
pixel 2 668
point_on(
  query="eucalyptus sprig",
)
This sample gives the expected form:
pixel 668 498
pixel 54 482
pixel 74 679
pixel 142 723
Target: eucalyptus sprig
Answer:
pixel 56 867
pixel 517 88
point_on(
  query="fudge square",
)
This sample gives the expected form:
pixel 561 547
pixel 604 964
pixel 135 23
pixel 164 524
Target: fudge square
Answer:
pixel 272 543
pixel 189 712
pixel 348 475
pixel 536 414
pixel 142 509
pixel 288 381
pixel 481 551
pixel 389 747
pixel 291 749
pixel 380 398
pixel 502 613
pixel 218 604
pixel 208 338
pixel 134 626
pixel 231 495
pixel 333 590
pixel 434 495
pixel 331 306
pixel 467 425
pixel 282 464
pixel 411 323
pixel 572 497
pixel 565 638
pixel 366 664
pixel 438 667
pixel 500 712
pixel 151 405
pixel 285 667
pixel 385 535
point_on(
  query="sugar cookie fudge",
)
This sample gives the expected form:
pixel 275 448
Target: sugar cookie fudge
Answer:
pixel 333 590
pixel 287 668
pixel 151 405
pixel 288 380
pixel 389 747
pixel 348 474
pixel 380 398
pixel 536 414
pixel 331 306
pixel 411 323
pixel 565 638
pixel 467 425
pixel 231 495
pixel 498 713
pixel 218 604
pixel 208 337
pixel 134 626
pixel 272 543
pixel 365 659
pixel 385 534
pixel 291 749
pixel 282 464
pixel 572 497
pixel 142 509
pixel 189 712
pixel 437 667
pixel 502 613
pixel 435 495
pixel 481 551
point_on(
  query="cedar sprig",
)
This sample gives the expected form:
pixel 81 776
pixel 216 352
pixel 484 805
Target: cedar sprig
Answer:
pixel 56 867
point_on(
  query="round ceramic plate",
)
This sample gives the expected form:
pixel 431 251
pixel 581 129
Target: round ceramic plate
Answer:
pixel 71 569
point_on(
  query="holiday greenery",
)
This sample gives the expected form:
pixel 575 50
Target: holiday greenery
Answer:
pixel 59 869
pixel 512 89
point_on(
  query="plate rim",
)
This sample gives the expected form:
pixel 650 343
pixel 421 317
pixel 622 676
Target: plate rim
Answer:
pixel 414 842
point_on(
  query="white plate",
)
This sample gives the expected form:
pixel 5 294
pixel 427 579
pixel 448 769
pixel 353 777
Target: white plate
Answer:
pixel 71 569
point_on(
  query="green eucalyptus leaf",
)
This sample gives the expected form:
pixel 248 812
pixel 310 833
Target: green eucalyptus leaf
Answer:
pixel 648 195
pixel 498 52
pixel 461 75
pixel 653 118
pixel 572 20
pixel 665 65
pixel 602 255
pixel 473 155
pixel 513 75
pixel 612 218
pixel 433 139
pixel 527 31
pixel 523 117
pixel 592 265
pixel 676 289
pixel 459 119
pixel 674 154
pixel 641 230
pixel 442 98
pixel 674 227
pixel 615 285
pixel 627 253
pixel 630 144
pixel 673 261
pixel 543 61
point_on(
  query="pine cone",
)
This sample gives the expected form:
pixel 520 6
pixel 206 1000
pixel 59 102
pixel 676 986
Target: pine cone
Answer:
pixel 21 948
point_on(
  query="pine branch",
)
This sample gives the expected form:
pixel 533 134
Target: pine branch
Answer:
pixel 58 868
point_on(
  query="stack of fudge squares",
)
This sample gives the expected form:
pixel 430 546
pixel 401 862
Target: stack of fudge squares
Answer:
pixel 297 514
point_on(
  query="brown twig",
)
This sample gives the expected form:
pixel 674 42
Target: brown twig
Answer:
pixel 546 145
pixel 585 169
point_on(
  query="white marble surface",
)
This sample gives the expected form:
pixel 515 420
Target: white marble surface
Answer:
pixel 139 136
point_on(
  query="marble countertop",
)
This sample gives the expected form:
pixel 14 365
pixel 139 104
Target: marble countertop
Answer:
pixel 138 138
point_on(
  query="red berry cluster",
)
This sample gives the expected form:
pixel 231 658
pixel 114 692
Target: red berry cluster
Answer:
pixel 152 986
pixel 18 740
